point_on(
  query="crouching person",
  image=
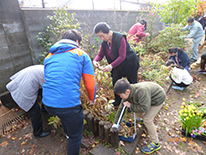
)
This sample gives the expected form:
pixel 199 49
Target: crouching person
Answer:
pixel 145 99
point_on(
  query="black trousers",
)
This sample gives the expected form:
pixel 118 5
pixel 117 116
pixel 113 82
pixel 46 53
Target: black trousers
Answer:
pixel 36 119
pixel 116 75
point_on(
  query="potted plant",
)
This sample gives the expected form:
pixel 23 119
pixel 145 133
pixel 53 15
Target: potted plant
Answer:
pixel 192 120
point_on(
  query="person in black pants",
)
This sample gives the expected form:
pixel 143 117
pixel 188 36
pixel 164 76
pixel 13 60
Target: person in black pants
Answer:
pixel 122 60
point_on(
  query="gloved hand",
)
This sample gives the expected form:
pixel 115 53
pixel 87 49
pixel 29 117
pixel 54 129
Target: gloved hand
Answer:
pixel 116 126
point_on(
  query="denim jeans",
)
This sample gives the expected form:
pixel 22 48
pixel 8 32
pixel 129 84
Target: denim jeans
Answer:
pixel 36 120
pixel 72 123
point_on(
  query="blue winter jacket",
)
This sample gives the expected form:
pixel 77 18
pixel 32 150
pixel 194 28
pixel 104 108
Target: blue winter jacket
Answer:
pixel 63 69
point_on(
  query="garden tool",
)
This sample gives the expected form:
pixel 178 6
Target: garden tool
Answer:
pixel 129 139
pixel 8 120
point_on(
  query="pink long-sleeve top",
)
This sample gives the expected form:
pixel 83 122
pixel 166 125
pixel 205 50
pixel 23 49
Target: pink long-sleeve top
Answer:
pixel 122 53
pixel 136 32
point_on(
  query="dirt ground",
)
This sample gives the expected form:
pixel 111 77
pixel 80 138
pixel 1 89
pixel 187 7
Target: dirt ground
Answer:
pixel 22 142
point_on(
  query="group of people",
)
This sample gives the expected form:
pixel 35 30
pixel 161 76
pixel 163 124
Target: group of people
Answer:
pixel 61 74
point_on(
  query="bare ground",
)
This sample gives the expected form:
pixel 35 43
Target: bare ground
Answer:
pixel 173 142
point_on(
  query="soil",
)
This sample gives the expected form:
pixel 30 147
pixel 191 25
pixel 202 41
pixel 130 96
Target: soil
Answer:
pixel 22 141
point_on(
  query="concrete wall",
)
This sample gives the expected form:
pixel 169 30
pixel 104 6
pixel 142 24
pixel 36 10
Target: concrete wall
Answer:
pixel 19 47
pixel 36 21
pixel 14 47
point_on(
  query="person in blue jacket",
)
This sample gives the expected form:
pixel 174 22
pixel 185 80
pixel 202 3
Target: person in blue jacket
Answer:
pixel 64 67
pixel 196 33
pixel 180 57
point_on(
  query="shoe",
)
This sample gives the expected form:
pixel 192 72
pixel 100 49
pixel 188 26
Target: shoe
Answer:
pixel 150 148
pixel 139 120
pixel 201 72
pixel 177 88
pixel 193 60
pixel 43 134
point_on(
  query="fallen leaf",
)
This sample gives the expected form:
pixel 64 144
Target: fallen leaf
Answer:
pixel 23 143
pixel 121 143
pixel 4 143
pixel 196 95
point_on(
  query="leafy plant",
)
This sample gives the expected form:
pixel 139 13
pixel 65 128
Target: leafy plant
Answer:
pixel 152 69
pixel 190 117
pixel 55 121
pixel 175 11
pixel 169 37
pixel 60 21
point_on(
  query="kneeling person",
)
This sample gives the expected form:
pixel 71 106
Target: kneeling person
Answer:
pixel 145 99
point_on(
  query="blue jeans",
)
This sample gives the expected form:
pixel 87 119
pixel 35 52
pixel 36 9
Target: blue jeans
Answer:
pixel 72 123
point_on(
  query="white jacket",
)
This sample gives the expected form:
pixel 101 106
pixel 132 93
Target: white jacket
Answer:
pixel 25 84
pixel 181 75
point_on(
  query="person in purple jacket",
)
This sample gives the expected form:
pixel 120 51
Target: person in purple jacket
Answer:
pixel 122 60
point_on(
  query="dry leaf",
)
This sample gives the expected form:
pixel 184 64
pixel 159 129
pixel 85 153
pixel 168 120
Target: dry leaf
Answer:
pixel 23 143
pixel 4 143
pixel 121 143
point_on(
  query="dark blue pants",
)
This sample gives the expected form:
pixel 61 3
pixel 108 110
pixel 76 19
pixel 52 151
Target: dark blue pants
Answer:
pixel 72 123
pixel 36 120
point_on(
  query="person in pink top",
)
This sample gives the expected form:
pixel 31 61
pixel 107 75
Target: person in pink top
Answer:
pixel 136 32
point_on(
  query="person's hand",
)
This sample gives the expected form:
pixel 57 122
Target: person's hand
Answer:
pixel 147 34
pixel 96 64
pixel 128 104
pixel 107 68
pixel 116 126
pixel 92 102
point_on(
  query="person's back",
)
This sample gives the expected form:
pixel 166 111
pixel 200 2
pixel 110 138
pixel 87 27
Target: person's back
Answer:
pixel 63 71
pixel 25 85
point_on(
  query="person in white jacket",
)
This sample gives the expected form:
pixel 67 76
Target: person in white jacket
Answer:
pixel 180 76
pixel 24 87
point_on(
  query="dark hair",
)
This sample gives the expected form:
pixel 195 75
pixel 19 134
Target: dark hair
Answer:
pixel 72 34
pixel 143 22
pixel 174 50
pixel 103 27
pixel 190 20
pixel 170 62
pixel 173 64
pixel 121 86
pixel 203 61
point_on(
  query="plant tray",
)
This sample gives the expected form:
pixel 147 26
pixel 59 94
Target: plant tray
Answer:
pixel 128 139
pixel 200 137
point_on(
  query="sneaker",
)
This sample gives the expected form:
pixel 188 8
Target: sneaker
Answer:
pixel 201 72
pixel 177 88
pixel 150 148
pixel 193 60
pixel 139 120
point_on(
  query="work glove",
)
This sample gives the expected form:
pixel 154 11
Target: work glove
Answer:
pixel 116 126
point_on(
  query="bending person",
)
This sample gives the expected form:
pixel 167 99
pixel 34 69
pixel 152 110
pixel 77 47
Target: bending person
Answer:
pixel 24 88
pixel 179 75
pixel 180 57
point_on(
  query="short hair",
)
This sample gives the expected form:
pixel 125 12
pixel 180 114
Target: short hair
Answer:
pixel 102 27
pixel 72 34
pixel 190 20
pixel 170 62
pixel 144 22
pixel 121 86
